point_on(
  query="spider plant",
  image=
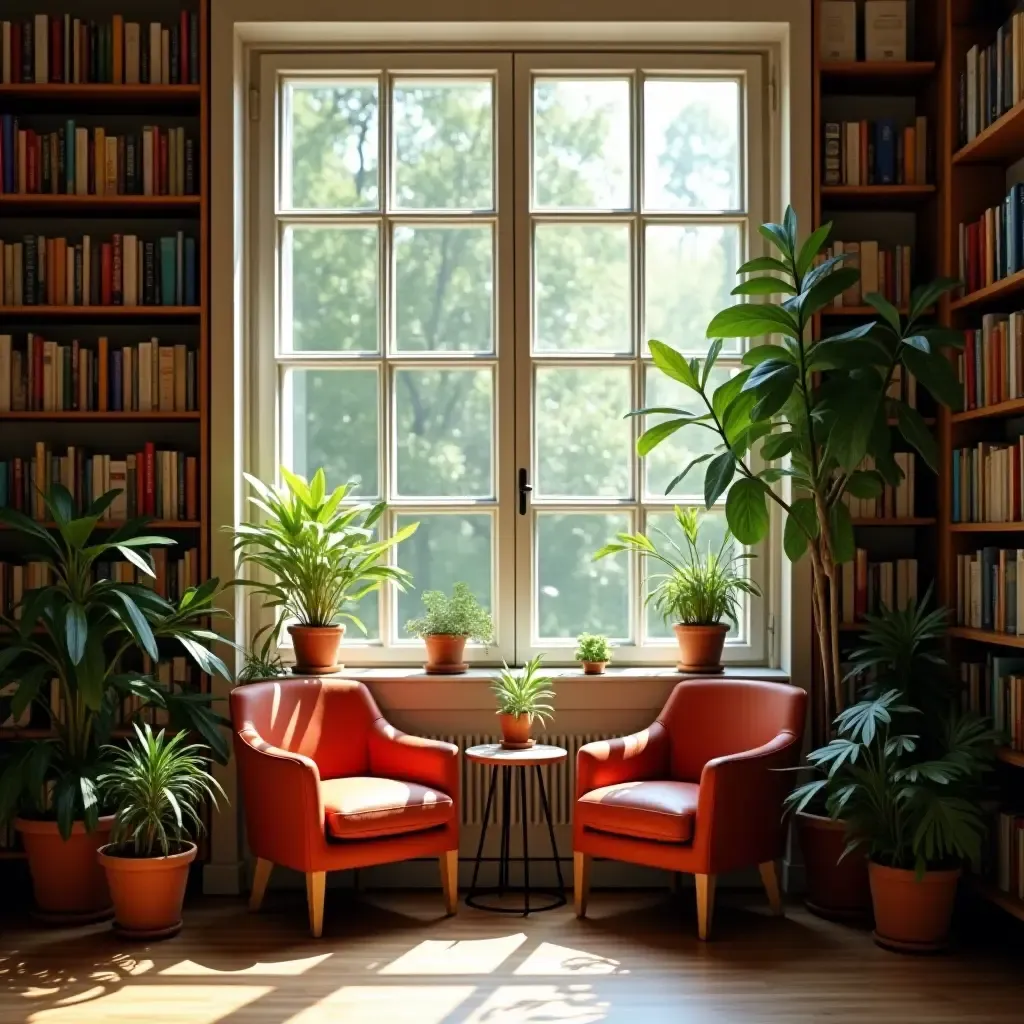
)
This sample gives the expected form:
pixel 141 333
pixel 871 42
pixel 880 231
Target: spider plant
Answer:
pixel 525 693
pixel 262 662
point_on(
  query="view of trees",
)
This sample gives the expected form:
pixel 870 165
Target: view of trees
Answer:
pixel 441 270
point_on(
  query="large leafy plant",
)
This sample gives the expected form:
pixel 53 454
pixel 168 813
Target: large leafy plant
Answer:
pixel 526 692
pixel 820 403
pixel 83 632
pixel 458 615
pixel 317 552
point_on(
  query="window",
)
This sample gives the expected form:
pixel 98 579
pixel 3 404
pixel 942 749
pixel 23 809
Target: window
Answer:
pixel 461 259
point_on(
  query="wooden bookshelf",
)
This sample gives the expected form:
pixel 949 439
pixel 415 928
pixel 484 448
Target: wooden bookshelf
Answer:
pixel 53 205
pixel 986 636
pixel 887 197
pixel 95 92
pixel 861 77
pixel 114 524
pixel 1011 287
pixel 1001 142
pixel 987 891
pixel 986 527
pixel 1008 756
pixel 1014 407
pixel 101 312
pixel 107 416
pixel 894 521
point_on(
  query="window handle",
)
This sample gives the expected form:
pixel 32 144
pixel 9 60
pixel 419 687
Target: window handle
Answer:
pixel 524 489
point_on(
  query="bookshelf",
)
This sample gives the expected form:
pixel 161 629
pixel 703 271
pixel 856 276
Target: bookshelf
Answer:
pixel 125 109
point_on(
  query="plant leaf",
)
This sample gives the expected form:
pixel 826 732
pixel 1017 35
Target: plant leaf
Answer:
pixel 746 510
pixel 718 476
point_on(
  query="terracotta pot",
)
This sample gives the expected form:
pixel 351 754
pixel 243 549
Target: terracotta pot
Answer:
pixel 700 647
pixel 593 668
pixel 515 729
pixel 68 884
pixel 316 649
pixel 912 915
pixel 148 891
pixel 444 654
pixel 836 889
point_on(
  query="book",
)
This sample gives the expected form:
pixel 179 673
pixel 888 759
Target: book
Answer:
pixel 988 590
pixel 866 587
pixel 876 152
pixel 838 34
pixel 885 30
pixel 991 78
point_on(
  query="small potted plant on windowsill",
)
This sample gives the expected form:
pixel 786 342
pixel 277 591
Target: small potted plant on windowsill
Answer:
pixel 697 592
pixel 521 699
pixel 593 652
pixel 447 624
pixel 157 785
pixel 262 662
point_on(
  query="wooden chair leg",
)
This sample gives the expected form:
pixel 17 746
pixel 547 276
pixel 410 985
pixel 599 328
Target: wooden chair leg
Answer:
pixel 449 861
pixel 316 884
pixel 260 878
pixel 705 904
pixel 770 877
pixel 581 881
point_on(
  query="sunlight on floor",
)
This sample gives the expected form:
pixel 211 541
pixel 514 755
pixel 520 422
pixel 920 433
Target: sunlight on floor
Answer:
pixel 385 1004
pixel 549 958
pixel 156 1004
pixel 466 956
pixel 271 969
pixel 523 1004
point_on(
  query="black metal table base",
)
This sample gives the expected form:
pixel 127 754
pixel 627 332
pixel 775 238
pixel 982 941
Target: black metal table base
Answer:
pixel 553 899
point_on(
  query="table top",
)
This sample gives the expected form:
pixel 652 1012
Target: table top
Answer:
pixel 495 753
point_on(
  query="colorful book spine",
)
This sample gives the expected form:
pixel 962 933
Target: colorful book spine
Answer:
pixel 861 153
pixel 992 79
pixel 989 592
pixel 866 587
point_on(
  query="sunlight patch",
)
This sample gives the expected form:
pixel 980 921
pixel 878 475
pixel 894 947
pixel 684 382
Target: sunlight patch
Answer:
pixel 273 969
pixel 385 1004
pixel 549 958
pixel 464 956
pixel 533 1004
pixel 156 1004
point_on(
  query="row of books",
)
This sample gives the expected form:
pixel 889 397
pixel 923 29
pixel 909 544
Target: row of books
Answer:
pixel 59 48
pixel 162 484
pixel 123 271
pixel 988 590
pixel 881 270
pixel 992 81
pixel 869 587
pixel 987 483
pixel 1008 840
pixel 94 162
pixel 991 365
pixel 986 687
pixel 876 153
pixel 49 377
pixel 893 502
pixel 884 30
pixel 992 247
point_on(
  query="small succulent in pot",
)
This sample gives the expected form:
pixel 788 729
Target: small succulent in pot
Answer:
pixel 522 697
pixel 594 652
pixel 447 624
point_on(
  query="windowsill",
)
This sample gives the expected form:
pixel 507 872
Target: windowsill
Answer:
pixel 484 673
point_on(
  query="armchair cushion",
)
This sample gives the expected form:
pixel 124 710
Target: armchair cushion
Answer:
pixel 663 812
pixel 361 807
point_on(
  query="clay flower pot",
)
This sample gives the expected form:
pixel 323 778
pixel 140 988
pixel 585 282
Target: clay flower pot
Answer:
pixel 912 915
pixel 68 884
pixel 316 649
pixel 700 647
pixel 445 653
pixel 148 891
pixel 837 889
pixel 515 730
pixel 593 668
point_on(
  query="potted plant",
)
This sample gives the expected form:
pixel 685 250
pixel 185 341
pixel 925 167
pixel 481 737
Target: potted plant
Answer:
pixel 813 409
pixel 318 558
pixel 698 591
pixel 69 650
pixel 593 652
pixel 157 785
pixel 521 699
pixel 447 624
pixel 262 662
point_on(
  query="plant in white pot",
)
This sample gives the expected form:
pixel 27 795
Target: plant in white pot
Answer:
pixel 445 626
pixel 522 698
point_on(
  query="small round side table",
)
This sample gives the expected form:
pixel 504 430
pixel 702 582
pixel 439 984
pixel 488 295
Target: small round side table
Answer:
pixel 506 760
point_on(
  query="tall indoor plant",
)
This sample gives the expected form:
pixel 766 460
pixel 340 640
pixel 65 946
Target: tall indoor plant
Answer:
pixel 73 649
pixel 315 557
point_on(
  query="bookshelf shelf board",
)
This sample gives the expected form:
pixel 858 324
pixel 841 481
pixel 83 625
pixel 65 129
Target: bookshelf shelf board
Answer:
pixel 854 311
pixel 852 627
pixel 114 524
pixel 986 636
pixel 987 891
pixel 881 77
pixel 51 203
pixel 1013 407
pixel 90 312
pixel 874 196
pixel 101 90
pixel 26 734
pixel 1001 142
pixel 1003 289
pixel 1008 756
pixel 12 854
pixel 986 527
pixel 896 521
pixel 95 416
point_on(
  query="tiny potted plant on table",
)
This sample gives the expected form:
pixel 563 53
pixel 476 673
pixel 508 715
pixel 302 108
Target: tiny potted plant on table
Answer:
pixel 698 590
pixel 157 785
pixel 593 652
pixel 315 556
pixel 447 624
pixel 521 699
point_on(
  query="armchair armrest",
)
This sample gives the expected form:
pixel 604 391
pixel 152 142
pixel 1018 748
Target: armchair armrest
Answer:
pixel 641 755
pixel 397 755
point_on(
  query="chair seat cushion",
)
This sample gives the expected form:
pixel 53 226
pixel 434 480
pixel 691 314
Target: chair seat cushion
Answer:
pixel 664 812
pixel 362 807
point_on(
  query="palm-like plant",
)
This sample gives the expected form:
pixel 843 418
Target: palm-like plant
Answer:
pixel 81 630
pixel 525 693
pixel 158 785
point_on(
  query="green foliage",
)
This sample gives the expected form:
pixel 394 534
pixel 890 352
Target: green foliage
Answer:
pixel 157 786
pixel 699 588
pixel 263 661
pixel 458 615
pixel 318 554
pixel 592 647
pixel 78 630
pixel 526 692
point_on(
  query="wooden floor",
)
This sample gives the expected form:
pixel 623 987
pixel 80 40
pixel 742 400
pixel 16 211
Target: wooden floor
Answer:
pixel 393 959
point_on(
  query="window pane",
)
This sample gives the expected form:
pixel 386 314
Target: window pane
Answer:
pixel 675 453
pixel 330 419
pixel 582 288
pixel 575 593
pixel 581 144
pixel 443 433
pixel 334 136
pixel 445 549
pixel 330 289
pixel 444 289
pixel 691 145
pixel 689 271
pixel 444 150
pixel 584 446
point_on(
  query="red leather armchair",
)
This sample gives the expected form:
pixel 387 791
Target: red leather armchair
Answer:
pixel 328 784
pixel 695 792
